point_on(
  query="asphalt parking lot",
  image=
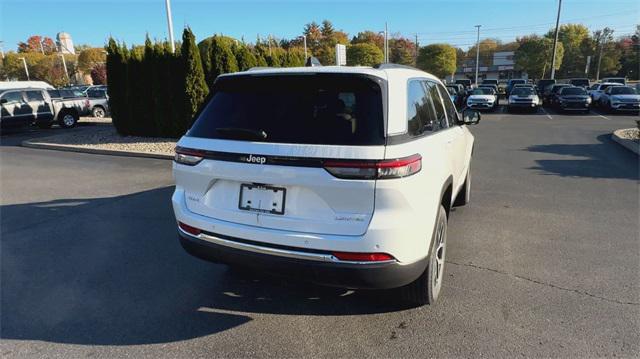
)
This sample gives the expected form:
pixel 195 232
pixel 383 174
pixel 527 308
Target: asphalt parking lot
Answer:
pixel 543 262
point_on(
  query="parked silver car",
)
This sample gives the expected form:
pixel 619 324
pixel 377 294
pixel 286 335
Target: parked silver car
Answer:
pixel 98 102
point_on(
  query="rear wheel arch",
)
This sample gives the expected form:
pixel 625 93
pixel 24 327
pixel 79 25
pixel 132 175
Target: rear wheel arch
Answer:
pixel 446 193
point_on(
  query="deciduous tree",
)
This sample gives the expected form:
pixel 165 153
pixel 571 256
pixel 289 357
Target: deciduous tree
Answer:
pixel 364 54
pixel 438 59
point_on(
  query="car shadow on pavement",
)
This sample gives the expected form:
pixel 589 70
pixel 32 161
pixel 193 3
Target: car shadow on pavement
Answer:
pixel 606 159
pixel 110 271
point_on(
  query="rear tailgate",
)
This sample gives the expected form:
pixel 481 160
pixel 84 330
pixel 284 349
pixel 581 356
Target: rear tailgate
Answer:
pixel 277 180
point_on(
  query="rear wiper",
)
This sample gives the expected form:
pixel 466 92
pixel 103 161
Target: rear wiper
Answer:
pixel 238 133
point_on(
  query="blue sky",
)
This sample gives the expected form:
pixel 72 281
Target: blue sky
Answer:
pixel 92 22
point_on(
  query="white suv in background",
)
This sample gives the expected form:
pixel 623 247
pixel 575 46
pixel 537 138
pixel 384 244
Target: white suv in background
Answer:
pixel 343 176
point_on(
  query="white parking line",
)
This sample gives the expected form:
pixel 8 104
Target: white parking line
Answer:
pixel 600 115
pixel 545 112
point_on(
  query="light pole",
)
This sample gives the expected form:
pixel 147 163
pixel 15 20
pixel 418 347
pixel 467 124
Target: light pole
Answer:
pixel 384 44
pixel 555 43
pixel 170 25
pixel 26 70
pixel 304 41
pixel 477 53
pixel 64 63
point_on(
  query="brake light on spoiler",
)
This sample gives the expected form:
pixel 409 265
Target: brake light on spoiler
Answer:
pixel 385 169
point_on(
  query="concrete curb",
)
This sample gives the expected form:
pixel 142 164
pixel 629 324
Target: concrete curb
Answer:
pixel 628 144
pixel 96 151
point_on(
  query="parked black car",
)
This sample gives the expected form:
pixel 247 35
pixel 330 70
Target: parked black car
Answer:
pixel 512 83
pixel 572 98
pixel 543 83
pixel 584 83
pixel 550 96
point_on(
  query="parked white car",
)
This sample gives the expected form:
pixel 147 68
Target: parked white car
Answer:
pixel 619 98
pixel 483 98
pixel 343 176
pixel 597 89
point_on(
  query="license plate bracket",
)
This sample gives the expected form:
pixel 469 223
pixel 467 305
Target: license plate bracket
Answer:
pixel 262 198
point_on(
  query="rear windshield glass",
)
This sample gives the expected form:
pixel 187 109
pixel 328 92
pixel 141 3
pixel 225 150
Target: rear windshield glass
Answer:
pixel 329 109
pixel 621 90
pixel 523 91
pixel 513 82
pixel 573 91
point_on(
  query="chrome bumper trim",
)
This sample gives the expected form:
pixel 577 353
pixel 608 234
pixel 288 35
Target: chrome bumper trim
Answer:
pixel 319 257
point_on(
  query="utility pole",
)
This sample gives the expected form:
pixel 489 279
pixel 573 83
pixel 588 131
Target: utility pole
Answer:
pixel 477 53
pixel 26 70
pixel 170 25
pixel 386 43
pixel 555 43
pixel 416 50
pixel 304 41
pixel 602 35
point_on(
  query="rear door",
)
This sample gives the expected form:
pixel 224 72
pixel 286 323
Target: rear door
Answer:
pixel 268 139
pixel 457 146
pixel 39 106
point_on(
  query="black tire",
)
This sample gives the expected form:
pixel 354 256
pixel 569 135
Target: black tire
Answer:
pixel 463 197
pixel 67 119
pixel 98 112
pixel 426 289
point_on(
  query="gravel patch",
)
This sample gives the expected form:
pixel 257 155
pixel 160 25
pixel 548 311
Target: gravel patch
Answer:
pixel 632 134
pixel 95 120
pixel 106 138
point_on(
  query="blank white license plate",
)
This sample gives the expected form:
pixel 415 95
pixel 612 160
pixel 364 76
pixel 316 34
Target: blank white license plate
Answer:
pixel 258 198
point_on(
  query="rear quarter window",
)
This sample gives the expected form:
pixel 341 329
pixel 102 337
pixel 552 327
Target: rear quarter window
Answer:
pixel 331 109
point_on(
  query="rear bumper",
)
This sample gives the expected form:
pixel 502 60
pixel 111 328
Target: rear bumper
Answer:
pixel 345 275
pixel 523 105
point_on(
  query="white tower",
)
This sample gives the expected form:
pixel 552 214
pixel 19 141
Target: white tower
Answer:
pixel 65 44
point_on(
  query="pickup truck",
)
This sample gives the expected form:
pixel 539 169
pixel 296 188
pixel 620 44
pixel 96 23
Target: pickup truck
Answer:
pixel 42 107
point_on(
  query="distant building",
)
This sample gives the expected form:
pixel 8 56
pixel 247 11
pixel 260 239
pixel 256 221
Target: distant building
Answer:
pixel 502 68
pixel 65 44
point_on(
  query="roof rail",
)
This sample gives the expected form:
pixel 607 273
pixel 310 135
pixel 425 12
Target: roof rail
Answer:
pixel 258 68
pixel 386 66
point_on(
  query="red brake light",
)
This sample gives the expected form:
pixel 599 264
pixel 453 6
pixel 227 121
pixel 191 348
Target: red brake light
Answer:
pixel 394 168
pixel 189 229
pixel 188 156
pixel 362 257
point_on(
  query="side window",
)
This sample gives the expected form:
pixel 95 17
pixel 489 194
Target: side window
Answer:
pixel 441 118
pixel 450 108
pixel 416 106
pixel 12 97
pixel 34 96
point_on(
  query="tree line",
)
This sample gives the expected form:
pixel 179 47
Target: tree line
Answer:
pixel 44 63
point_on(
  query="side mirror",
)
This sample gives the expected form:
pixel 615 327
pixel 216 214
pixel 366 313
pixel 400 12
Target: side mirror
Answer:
pixel 4 100
pixel 470 117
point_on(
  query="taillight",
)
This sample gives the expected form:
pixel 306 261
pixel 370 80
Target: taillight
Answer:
pixel 363 257
pixel 188 156
pixel 189 229
pixel 395 168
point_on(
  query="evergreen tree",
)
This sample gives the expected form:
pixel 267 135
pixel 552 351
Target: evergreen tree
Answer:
pixel 195 87
pixel 245 58
pixel 222 59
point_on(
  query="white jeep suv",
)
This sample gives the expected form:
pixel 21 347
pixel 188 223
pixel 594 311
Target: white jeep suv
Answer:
pixel 342 176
